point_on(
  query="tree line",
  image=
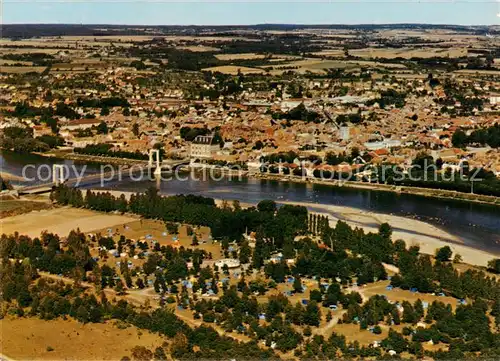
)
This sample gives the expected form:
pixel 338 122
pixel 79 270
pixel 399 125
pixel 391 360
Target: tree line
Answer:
pixel 105 150
pixel 276 223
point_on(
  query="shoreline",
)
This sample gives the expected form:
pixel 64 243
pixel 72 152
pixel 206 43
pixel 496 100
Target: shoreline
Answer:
pixel 425 192
pixel 412 231
pixel 10 176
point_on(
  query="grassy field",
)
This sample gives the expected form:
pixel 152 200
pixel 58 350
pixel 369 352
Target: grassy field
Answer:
pixel 33 338
pixel 376 64
pixel 408 53
pixel 4 62
pixel 314 65
pixel 233 70
pixel 61 221
pixel 22 69
pixel 399 295
pixel 198 48
pixel 330 52
pixel 240 56
pixel 138 230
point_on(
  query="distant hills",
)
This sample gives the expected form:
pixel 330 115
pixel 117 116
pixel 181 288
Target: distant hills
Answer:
pixel 21 31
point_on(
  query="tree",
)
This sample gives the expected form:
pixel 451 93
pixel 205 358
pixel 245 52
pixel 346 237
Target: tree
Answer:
pixel 245 252
pixel 385 231
pixel 179 345
pixel 297 285
pixel 266 206
pixel 355 153
pixel 135 129
pixel 312 315
pixel 159 354
pixel 119 288
pixel 443 254
pixel 333 295
pixel 395 341
pixel 419 309
pixel 138 65
pixel 141 353
pixel 104 111
pixel 316 295
pixel 459 139
pixel 288 249
pixel 172 227
pixel 494 265
pixel 102 128
pixel 140 283
pixel 194 242
pixel 408 313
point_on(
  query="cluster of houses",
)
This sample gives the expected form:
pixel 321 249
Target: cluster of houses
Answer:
pixel 255 124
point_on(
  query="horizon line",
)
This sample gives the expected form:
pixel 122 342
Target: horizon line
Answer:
pixel 257 24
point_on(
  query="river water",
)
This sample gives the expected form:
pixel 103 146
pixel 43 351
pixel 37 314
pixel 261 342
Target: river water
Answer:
pixel 478 225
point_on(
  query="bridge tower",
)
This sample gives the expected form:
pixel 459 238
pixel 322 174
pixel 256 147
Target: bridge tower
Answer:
pixel 280 168
pixel 154 156
pixel 58 176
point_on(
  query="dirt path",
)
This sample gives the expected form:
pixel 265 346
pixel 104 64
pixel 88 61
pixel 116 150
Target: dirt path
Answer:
pixel 325 331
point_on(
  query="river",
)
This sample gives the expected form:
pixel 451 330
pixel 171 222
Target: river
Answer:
pixel 477 225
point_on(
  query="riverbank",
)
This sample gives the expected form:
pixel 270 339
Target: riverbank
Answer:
pixel 10 177
pixel 412 231
pixel 425 192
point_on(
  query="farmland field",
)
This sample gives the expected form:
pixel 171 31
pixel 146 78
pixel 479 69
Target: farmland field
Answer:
pixel 233 70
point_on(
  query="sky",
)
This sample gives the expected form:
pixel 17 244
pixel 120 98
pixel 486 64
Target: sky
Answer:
pixel 240 12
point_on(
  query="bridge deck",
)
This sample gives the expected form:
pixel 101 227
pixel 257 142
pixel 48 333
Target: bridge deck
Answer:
pixel 76 182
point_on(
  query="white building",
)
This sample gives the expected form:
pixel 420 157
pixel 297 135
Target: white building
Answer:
pixel 80 124
pixel 229 262
pixel 495 100
pixel 385 144
pixel 203 147
pixel 344 132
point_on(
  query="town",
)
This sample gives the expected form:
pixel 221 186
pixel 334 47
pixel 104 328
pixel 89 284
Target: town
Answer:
pixel 343 106
pixel 363 223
